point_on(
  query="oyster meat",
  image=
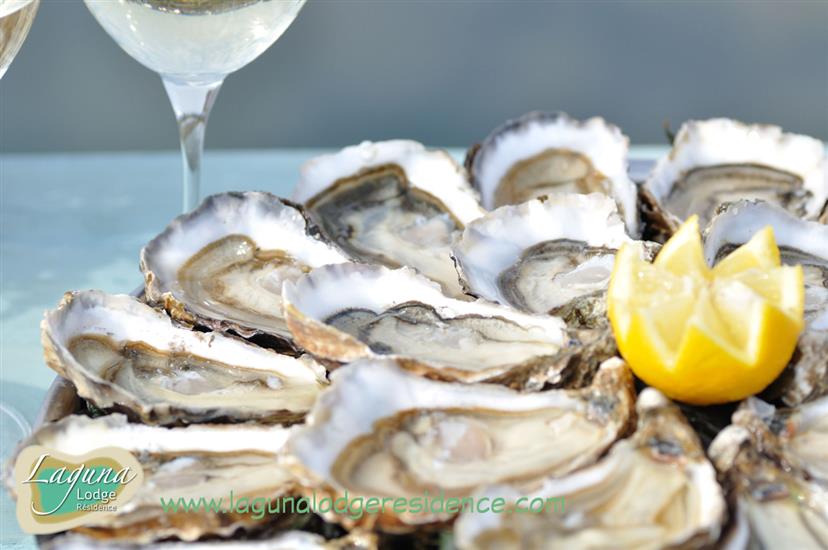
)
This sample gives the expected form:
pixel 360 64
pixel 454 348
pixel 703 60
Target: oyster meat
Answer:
pixel 653 490
pixel 552 255
pixel 222 265
pixel 122 353
pixel 393 203
pixel 774 463
pixel 543 153
pixel 344 312
pixel 380 431
pixel 721 160
pixel 193 462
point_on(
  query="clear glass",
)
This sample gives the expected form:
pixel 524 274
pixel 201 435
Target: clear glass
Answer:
pixel 194 45
pixel 16 18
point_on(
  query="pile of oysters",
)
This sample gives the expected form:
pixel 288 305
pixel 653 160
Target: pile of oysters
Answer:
pixel 406 324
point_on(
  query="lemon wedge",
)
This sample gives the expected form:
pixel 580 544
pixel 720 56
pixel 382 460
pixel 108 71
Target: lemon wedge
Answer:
pixel 702 335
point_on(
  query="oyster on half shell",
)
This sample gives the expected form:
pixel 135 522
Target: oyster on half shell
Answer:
pixel 393 203
pixel 349 311
pixel 721 160
pixel 197 461
pixel 552 255
pixel 544 153
pixel 122 353
pixel 655 489
pixel 774 463
pixel 380 431
pixel 222 265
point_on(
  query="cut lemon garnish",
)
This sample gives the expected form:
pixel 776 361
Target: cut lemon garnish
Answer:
pixel 760 252
pixel 705 335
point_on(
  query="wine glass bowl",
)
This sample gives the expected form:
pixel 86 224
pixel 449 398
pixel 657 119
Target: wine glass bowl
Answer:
pixel 194 45
pixel 195 41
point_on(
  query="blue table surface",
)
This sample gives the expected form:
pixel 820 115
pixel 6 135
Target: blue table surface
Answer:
pixel 78 221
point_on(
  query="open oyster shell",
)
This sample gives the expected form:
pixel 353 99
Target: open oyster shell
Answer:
pixel 721 160
pixel 349 311
pixel 806 376
pixel 774 464
pixel 552 255
pixel 543 153
pixel 122 353
pixel 393 203
pixel 380 431
pixel 222 265
pixel 655 489
pixel 193 462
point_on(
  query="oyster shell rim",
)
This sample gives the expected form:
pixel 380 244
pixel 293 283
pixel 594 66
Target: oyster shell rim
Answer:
pixel 666 172
pixel 615 374
pixel 491 226
pixel 158 289
pixel 235 437
pixel 650 406
pixel 111 396
pixel 624 189
pixel 333 345
pixel 322 172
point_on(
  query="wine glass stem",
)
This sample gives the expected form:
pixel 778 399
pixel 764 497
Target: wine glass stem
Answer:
pixel 192 104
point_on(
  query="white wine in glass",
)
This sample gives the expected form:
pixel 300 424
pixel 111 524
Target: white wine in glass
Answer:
pixel 194 45
pixel 16 18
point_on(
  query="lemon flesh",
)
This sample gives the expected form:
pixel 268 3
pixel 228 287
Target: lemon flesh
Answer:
pixel 702 335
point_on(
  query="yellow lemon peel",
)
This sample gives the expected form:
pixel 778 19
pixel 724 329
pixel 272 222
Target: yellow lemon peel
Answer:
pixel 703 335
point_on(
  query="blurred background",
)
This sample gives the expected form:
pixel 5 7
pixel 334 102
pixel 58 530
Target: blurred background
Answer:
pixel 441 72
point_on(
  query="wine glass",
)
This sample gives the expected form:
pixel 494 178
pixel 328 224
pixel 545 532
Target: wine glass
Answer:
pixel 16 18
pixel 194 45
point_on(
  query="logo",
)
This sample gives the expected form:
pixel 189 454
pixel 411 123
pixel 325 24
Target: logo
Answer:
pixel 58 491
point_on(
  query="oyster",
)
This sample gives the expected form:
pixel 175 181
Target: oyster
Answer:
pixel 544 256
pixel 721 160
pixel 775 465
pixel 796 438
pixel 393 203
pixel 806 376
pixel 122 353
pixel 379 431
pixel 222 265
pixel 198 461
pixel 542 153
pixel 344 312
pixel 655 489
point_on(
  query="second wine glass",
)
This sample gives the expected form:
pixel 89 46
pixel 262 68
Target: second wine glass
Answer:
pixel 194 45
